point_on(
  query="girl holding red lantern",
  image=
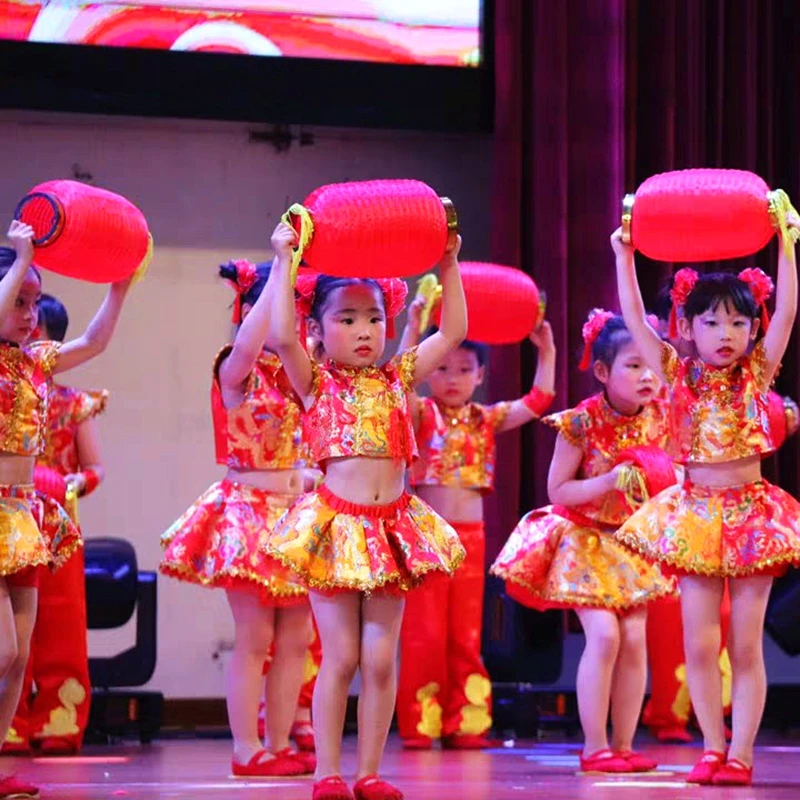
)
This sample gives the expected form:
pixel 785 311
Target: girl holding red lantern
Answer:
pixel 54 719
pixel 565 555
pixel 444 689
pixel 217 541
pixel 37 531
pixel 725 521
pixel 359 540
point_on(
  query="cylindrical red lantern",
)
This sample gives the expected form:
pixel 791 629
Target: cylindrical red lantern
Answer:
pixel 50 483
pixel 86 233
pixel 374 229
pixel 655 466
pixel 703 215
pixel 503 303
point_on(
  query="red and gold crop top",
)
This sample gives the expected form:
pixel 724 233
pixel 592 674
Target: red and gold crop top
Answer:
pixel 717 415
pixel 603 434
pixel 457 445
pixel 265 431
pixel 68 409
pixel 362 411
pixel 24 395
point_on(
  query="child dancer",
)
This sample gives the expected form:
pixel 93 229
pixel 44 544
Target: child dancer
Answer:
pixel 54 718
pixel 565 555
pixel 444 689
pixel 725 521
pixel 359 540
pixel 216 543
pixel 24 396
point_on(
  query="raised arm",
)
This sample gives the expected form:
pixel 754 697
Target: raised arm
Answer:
pixel 776 339
pixel 533 405
pixel 453 326
pixel 562 486
pixel 632 305
pixel 252 333
pixel 411 332
pixel 282 327
pixel 90 459
pixel 98 333
pixel 20 236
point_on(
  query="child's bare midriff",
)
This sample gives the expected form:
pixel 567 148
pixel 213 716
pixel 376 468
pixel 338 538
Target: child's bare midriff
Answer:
pixel 16 469
pixel 455 504
pixel 365 481
pixel 726 473
pixel 278 481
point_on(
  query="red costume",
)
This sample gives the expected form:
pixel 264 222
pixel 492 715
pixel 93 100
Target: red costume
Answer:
pixel 444 689
pixel 58 665
pixel 334 544
pixel 669 708
pixel 34 529
pixel 560 557
pixel 217 541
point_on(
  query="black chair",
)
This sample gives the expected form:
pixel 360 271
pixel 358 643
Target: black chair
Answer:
pixel 115 590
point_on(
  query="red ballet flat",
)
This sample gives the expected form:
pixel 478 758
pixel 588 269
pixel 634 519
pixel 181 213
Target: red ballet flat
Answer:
pixel 675 734
pixel 20 748
pixel 308 760
pixel 638 762
pixel 704 770
pixel 605 760
pixel 12 788
pixel 303 735
pixel 733 773
pixel 418 743
pixel 371 787
pixel 280 765
pixel 331 788
pixel 467 741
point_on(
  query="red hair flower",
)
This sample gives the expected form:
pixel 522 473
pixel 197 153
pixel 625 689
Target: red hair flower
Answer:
pixel 592 328
pixel 762 287
pixel 305 287
pixel 246 277
pixel 684 282
pixel 394 293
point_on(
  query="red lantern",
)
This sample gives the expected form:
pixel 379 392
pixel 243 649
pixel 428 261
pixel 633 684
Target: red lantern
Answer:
pixel 703 215
pixel 654 465
pixel 783 418
pixel 503 303
pixel 374 229
pixel 86 233
pixel 50 483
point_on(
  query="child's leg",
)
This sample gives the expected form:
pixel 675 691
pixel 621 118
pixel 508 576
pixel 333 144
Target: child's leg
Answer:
pixel 701 600
pixel 595 673
pixel 339 622
pixel 749 598
pixel 382 616
pixel 254 624
pixel 292 636
pixel 629 680
pixel 17 618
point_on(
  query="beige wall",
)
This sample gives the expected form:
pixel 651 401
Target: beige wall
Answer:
pixel 209 195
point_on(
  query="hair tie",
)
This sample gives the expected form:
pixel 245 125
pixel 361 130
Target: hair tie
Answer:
pixel 761 287
pixel 592 328
pixel 684 282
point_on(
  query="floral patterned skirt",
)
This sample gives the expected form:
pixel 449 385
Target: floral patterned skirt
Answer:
pixel 218 543
pixel 736 531
pixel 34 530
pixel 558 559
pixel 337 545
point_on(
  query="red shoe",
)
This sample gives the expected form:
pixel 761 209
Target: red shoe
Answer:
pixel 280 765
pixel 371 787
pixel 15 748
pixel 57 746
pixel 13 789
pixel 331 788
pixel 308 760
pixel 733 773
pixel 704 770
pixel 638 762
pixel 676 734
pixel 303 735
pixel 605 760
pixel 418 743
pixel 467 741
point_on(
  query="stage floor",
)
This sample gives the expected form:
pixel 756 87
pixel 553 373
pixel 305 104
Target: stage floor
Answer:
pixel 199 769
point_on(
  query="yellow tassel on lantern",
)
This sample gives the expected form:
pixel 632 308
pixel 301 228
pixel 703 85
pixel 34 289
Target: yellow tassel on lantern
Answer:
pixel 779 207
pixel 631 482
pixel 305 235
pixel 428 286
pixel 141 270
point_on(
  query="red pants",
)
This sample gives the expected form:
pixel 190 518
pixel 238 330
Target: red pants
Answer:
pixel 669 705
pixel 444 689
pixel 58 663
